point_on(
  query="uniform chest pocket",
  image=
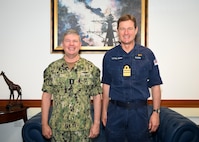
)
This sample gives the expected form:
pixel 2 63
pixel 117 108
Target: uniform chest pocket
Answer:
pixel 116 76
pixel 116 72
pixel 142 70
pixel 85 79
pixel 59 80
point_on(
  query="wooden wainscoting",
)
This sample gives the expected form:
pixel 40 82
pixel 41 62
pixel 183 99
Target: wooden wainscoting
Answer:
pixel 166 103
pixel 26 103
pixel 179 103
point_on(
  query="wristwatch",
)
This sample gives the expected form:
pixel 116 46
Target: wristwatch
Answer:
pixel 156 110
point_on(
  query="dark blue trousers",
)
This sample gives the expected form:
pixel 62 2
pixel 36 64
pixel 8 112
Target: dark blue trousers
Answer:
pixel 127 124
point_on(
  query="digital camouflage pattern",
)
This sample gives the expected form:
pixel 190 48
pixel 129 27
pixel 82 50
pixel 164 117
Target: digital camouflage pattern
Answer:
pixel 71 90
pixel 71 136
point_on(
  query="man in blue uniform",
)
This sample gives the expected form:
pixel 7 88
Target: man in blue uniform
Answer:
pixel 129 70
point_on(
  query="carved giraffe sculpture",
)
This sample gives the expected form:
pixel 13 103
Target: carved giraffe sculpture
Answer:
pixel 13 87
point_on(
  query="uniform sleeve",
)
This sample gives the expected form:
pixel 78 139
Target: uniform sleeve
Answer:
pixel 96 88
pixel 154 74
pixel 47 81
pixel 106 77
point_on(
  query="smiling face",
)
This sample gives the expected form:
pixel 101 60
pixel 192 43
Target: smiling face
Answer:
pixel 71 44
pixel 127 32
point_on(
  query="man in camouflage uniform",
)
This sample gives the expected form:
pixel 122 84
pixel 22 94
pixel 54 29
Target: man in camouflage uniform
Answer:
pixel 71 81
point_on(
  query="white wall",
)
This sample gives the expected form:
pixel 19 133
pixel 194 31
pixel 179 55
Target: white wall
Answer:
pixel 25 49
pixel 174 36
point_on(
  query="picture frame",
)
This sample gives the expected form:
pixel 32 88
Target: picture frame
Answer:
pixel 96 21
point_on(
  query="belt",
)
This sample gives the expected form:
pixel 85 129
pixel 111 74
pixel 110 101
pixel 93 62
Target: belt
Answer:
pixel 130 104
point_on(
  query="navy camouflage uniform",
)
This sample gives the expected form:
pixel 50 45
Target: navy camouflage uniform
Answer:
pixel 130 75
pixel 71 90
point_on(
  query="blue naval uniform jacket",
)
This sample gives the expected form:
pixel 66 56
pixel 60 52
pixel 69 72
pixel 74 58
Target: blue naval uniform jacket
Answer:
pixel 144 73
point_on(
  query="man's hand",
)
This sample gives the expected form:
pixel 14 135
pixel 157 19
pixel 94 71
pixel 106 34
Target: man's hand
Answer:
pixel 154 122
pixel 104 118
pixel 46 131
pixel 94 131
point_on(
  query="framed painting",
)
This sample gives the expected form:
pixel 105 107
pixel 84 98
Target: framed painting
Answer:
pixel 96 21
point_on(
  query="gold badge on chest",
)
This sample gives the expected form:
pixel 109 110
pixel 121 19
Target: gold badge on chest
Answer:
pixel 126 71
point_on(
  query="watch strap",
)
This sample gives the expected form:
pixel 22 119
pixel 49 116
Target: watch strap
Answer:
pixel 156 110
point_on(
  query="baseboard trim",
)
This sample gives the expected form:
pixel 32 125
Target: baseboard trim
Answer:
pixel 166 103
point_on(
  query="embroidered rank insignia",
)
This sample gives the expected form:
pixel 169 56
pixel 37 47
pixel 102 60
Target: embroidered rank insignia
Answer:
pixel 126 71
pixel 138 57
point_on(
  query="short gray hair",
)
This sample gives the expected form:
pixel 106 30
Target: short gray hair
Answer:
pixel 71 31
